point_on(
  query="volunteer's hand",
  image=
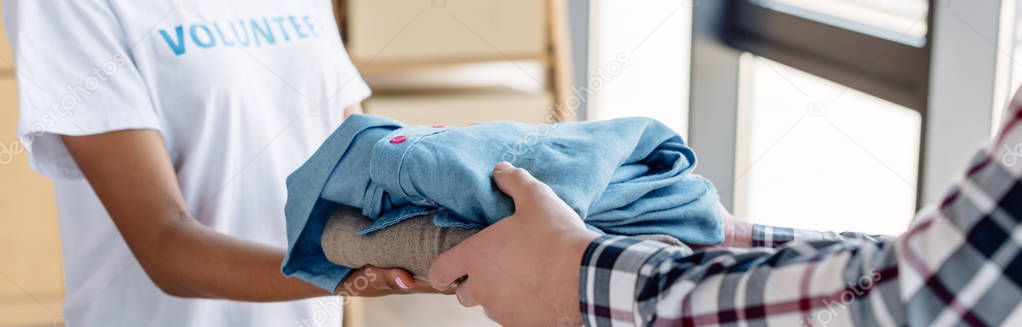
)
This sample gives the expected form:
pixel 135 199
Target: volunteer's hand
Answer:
pixel 523 270
pixel 373 282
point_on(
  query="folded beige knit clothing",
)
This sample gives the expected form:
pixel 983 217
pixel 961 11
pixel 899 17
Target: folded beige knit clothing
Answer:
pixel 412 244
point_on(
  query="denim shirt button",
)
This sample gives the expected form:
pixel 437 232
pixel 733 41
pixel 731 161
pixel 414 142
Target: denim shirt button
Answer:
pixel 398 139
pixel 438 125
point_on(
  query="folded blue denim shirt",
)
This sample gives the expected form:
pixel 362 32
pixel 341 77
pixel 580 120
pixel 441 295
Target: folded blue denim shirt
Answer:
pixel 629 176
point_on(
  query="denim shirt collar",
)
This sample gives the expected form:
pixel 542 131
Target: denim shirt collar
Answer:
pixel 388 158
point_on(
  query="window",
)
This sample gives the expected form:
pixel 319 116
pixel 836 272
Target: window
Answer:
pixel 815 113
pixel 815 154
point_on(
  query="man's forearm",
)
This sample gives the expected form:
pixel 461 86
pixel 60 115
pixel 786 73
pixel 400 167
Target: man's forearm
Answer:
pixel 628 282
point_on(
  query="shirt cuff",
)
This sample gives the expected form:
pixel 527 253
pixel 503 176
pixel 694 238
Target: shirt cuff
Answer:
pixel 770 236
pixel 610 272
pixel 773 237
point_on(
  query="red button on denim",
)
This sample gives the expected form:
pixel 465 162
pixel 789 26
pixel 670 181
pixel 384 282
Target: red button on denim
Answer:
pixel 398 139
pixel 438 126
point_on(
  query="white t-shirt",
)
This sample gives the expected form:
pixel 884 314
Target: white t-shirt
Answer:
pixel 242 92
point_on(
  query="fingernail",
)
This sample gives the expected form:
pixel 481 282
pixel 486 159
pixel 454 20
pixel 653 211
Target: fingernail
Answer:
pixel 502 166
pixel 401 283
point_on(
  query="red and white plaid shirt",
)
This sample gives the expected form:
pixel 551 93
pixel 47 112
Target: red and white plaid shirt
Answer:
pixel 958 264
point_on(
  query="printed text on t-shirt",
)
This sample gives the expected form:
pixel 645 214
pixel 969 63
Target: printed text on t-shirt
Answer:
pixel 259 31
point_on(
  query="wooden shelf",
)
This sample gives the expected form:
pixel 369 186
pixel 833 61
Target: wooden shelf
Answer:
pixel 411 36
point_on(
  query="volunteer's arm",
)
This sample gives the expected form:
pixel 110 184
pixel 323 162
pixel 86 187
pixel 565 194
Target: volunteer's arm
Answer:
pixel 132 174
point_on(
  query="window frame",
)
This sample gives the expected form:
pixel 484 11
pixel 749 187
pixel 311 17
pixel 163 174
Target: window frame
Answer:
pixel 896 72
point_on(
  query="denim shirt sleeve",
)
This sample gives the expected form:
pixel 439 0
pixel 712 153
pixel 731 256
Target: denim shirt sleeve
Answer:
pixel 307 211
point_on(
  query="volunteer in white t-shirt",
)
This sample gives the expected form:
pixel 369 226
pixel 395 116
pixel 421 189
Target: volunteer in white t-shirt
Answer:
pixel 168 127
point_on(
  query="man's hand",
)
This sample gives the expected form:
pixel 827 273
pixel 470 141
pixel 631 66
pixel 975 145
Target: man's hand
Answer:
pixel 523 270
pixel 737 233
pixel 373 282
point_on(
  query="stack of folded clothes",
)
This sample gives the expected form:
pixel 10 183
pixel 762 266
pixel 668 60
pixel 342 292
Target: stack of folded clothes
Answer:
pixel 378 192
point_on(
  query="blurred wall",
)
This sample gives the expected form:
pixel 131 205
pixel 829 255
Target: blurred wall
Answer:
pixel 31 276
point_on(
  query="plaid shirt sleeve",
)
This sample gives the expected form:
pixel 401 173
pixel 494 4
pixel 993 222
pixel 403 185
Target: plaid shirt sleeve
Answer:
pixel 958 264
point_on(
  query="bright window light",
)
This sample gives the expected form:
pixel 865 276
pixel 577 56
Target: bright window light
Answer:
pixel 815 154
